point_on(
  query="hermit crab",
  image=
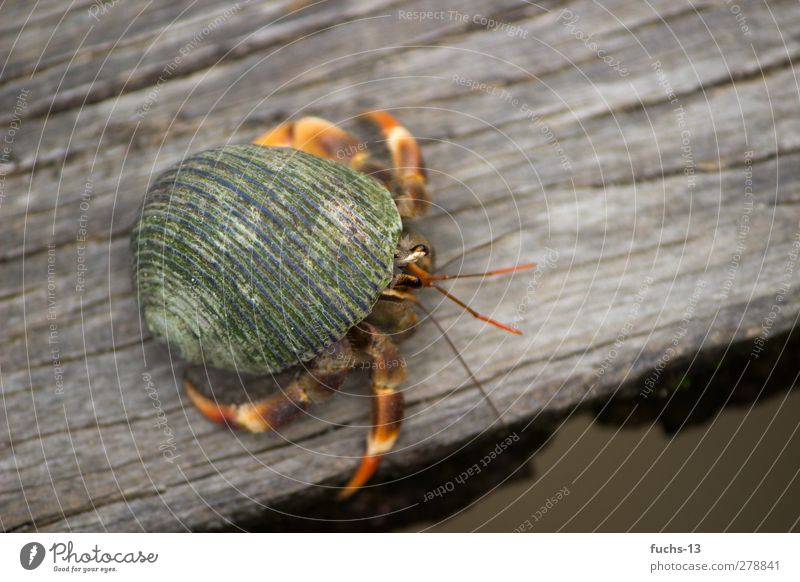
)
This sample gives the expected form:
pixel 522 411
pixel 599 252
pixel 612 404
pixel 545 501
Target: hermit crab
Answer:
pixel 290 253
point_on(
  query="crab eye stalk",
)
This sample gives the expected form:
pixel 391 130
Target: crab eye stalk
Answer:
pixel 403 257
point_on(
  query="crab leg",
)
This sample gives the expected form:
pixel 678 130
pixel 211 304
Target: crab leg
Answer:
pixel 308 387
pixel 387 405
pixel 322 138
pixel 412 197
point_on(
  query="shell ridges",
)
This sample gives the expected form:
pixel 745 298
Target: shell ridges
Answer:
pixel 255 258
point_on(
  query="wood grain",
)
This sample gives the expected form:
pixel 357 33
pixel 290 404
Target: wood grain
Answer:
pixel 661 205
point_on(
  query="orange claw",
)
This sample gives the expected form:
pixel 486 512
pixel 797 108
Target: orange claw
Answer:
pixel 313 135
pixel 221 413
pixel 280 136
pixel 406 155
pixel 366 469
pixel 387 415
pixel 307 387
pixel 409 167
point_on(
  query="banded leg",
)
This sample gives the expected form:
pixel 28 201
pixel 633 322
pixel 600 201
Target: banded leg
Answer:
pixel 322 138
pixel 407 180
pixel 309 386
pixel 411 191
pixel 388 372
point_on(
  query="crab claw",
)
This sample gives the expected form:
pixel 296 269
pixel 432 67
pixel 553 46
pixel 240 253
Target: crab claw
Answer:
pixel 387 414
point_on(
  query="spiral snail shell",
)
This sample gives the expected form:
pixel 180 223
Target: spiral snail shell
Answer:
pixel 256 258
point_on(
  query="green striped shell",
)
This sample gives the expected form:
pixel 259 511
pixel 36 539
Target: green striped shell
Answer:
pixel 254 258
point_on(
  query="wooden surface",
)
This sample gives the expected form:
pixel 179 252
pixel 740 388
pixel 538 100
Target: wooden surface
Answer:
pixel 619 181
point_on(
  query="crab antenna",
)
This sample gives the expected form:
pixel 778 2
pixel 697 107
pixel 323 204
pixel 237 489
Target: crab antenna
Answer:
pixel 464 364
pixel 471 311
pixel 426 280
pixel 503 271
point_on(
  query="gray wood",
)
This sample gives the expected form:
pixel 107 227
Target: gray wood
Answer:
pixel 597 176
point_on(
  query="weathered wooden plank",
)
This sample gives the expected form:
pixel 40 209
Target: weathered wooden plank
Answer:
pixel 574 165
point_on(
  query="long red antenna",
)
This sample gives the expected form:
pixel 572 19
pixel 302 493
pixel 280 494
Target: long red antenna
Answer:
pixel 474 313
pixel 503 271
pixel 427 281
